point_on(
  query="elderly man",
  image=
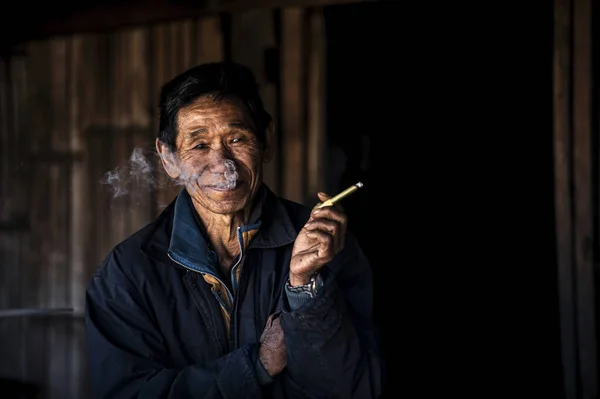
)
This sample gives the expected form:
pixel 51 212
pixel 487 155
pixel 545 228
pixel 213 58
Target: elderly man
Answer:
pixel 232 292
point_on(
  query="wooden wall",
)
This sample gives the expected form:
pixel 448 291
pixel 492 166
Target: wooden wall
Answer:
pixel 72 109
pixel 576 170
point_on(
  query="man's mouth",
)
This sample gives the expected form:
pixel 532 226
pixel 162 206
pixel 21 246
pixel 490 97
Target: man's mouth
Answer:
pixel 225 186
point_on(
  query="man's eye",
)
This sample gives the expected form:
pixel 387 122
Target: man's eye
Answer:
pixel 236 140
pixel 201 146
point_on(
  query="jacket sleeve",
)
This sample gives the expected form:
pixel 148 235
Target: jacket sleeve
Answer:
pixel 127 355
pixel 332 344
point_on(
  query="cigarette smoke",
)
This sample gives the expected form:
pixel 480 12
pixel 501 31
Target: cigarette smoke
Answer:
pixel 137 176
pixel 230 176
pixel 143 172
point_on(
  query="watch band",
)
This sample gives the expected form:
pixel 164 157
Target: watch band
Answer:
pixel 311 288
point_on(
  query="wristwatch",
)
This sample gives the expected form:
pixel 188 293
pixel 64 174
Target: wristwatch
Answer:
pixel 311 289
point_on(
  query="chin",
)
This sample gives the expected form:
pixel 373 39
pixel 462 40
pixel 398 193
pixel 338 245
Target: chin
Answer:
pixel 227 207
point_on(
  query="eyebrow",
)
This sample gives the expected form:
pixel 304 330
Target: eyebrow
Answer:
pixel 203 130
pixel 197 132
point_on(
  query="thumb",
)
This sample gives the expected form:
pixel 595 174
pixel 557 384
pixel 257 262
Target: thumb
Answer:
pixel 323 196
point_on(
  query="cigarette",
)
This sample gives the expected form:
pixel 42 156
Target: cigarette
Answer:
pixel 336 198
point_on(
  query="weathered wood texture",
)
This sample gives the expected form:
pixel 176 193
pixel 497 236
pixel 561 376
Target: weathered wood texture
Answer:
pixel 78 119
pixel 576 184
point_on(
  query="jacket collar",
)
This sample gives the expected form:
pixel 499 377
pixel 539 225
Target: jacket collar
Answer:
pixel 187 244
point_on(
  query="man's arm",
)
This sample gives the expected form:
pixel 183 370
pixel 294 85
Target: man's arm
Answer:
pixel 127 357
pixel 331 343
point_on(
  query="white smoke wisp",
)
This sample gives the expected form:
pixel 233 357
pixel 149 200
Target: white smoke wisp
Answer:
pixel 143 173
pixel 227 181
pixel 140 169
pixel 114 179
pixel 136 177
pixel 230 176
pixel 186 177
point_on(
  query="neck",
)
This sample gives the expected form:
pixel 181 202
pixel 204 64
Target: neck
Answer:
pixel 221 231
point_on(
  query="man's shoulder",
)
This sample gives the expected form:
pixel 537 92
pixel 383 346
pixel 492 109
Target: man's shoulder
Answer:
pixel 127 259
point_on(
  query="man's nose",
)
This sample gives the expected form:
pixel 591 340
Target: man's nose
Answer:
pixel 218 157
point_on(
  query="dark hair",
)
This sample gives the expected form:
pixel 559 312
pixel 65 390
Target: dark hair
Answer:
pixel 218 79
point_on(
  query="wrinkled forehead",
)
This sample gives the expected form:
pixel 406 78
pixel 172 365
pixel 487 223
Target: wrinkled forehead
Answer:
pixel 212 111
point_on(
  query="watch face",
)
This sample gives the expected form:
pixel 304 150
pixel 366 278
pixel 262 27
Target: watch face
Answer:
pixel 317 283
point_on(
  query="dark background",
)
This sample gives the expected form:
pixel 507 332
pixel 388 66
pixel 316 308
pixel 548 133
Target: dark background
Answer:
pixel 457 212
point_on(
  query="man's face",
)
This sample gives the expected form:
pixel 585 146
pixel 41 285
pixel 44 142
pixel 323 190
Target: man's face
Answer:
pixel 219 158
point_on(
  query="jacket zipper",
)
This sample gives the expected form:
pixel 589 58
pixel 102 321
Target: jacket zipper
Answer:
pixel 234 286
pixel 234 282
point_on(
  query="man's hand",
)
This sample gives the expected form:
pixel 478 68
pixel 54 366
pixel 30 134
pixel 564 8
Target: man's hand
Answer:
pixel 321 238
pixel 272 352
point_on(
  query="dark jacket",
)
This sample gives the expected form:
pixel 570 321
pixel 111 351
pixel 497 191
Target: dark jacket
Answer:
pixel 162 322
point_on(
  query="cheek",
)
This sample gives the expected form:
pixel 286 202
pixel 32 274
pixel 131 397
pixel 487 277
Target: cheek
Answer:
pixel 192 164
pixel 249 156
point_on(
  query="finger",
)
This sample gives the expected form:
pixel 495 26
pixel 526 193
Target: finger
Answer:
pixel 313 260
pixel 330 213
pixel 331 227
pixel 325 249
pixel 324 197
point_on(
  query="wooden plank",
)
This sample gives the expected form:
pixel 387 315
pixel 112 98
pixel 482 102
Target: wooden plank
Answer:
pixel 22 246
pixel 119 139
pixel 95 120
pixel 164 55
pixel 89 115
pixel 157 61
pixel 80 363
pixel 18 153
pixel 317 139
pixel 79 277
pixel 562 183
pixel 584 220
pixel 13 272
pixel 293 99
pixel 5 184
pixel 258 24
pixel 39 121
pixel 78 176
pixel 188 53
pixel 210 40
pixel 41 129
pixel 15 195
pixel 59 174
pixel 174 67
pixel 58 206
pixel 175 49
pixel 140 162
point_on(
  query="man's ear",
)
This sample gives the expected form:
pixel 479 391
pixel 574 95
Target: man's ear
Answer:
pixel 169 160
pixel 269 149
